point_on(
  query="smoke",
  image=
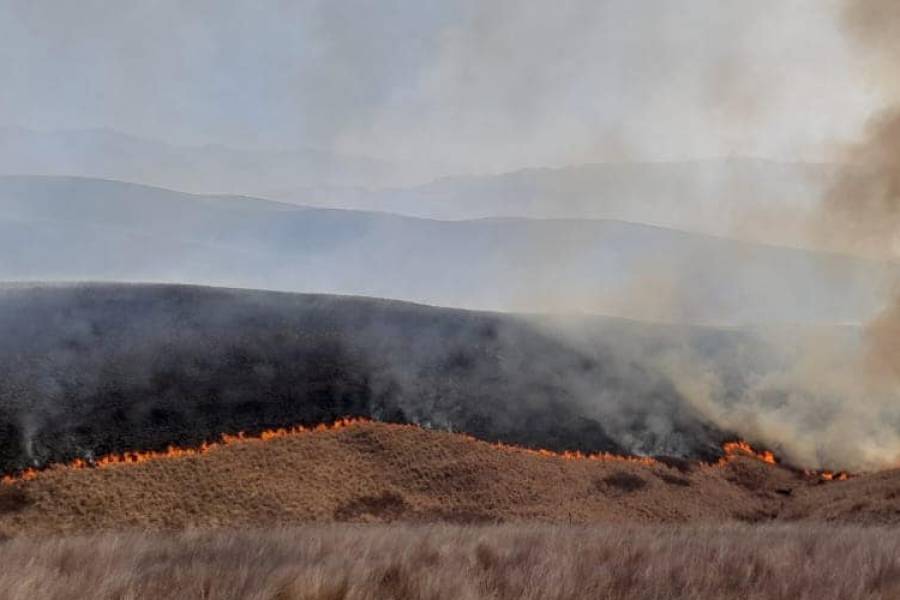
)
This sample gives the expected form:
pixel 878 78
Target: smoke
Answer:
pixel 828 396
pixel 862 210
pixel 460 87
pixel 833 400
pixel 863 207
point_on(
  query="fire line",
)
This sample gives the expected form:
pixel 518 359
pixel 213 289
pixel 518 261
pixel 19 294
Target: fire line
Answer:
pixel 731 451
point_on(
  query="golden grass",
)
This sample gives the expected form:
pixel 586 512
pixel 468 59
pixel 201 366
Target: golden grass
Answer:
pixel 405 562
pixel 375 472
pixel 378 473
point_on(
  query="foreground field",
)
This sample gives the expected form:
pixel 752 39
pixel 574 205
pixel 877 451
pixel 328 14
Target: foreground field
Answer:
pixel 454 562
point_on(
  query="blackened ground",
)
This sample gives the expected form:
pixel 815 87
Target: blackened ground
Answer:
pixel 93 369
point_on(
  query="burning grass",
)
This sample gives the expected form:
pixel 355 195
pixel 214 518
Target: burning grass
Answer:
pixel 730 450
pixel 437 562
pixel 375 472
pixel 138 457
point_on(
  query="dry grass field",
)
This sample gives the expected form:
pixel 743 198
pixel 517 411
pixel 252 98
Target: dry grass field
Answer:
pixel 406 562
pixel 372 472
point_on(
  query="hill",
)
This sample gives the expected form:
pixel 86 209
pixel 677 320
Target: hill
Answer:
pixel 57 228
pixel 379 472
pixel 717 196
pixel 96 369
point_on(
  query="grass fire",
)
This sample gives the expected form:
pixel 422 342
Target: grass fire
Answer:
pixel 730 450
pixel 462 300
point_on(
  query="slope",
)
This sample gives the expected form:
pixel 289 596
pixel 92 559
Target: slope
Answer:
pixel 96 369
pixel 378 472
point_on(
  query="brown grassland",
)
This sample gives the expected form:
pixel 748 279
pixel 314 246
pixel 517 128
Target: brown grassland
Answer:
pixel 376 472
pixel 406 562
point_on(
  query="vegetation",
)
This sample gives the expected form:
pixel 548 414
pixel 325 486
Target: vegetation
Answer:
pixel 453 562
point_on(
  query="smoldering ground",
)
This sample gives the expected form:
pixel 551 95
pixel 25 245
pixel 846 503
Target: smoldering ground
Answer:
pixel 89 370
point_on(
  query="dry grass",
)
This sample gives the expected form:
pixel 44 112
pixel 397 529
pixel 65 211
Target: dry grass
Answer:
pixel 376 472
pixel 454 562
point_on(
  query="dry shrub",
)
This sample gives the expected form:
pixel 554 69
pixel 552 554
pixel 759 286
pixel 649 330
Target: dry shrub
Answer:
pixel 13 499
pixel 386 506
pixel 624 482
pixel 674 480
pixel 397 583
pixel 313 589
pixel 683 465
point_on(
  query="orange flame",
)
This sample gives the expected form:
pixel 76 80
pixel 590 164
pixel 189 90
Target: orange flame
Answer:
pixel 832 476
pixel 572 454
pixel 731 450
pixel 136 457
pixel 740 448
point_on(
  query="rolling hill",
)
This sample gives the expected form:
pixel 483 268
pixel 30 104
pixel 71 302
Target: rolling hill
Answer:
pixel 90 370
pixel 717 196
pixel 378 472
pixel 111 154
pixel 54 228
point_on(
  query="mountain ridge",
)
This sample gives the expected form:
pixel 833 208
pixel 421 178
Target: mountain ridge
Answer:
pixel 83 229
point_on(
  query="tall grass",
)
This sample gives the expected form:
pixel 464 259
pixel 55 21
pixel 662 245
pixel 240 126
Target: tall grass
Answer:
pixel 451 562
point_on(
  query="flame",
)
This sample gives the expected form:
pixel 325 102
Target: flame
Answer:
pixel 741 448
pixel 137 457
pixel 731 451
pixel 832 476
pixel 572 454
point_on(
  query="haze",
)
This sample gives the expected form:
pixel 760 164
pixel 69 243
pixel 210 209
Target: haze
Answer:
pixel 443 88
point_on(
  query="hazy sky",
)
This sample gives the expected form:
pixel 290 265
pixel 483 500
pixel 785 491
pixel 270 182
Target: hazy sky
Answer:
pixel 449 86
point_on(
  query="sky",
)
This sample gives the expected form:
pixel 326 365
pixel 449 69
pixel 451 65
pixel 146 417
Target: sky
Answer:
pixel 457 86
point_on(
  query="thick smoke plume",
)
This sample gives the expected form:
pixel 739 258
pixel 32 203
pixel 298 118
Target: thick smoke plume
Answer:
pixel 835 402
pixel 828 396
pixel 863 208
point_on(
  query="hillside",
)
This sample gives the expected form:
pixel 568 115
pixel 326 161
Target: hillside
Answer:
pixel 95 369
pixel 57 228
pixel 378 472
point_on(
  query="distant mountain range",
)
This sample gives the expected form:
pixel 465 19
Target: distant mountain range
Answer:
pixel 750 198
pixel 753 199
pixel 110 154
pixel 62 228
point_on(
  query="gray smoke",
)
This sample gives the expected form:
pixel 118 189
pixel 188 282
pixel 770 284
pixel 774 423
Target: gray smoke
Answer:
pixel 426 90
pixel 834 400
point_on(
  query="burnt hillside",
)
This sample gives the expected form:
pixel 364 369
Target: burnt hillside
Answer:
pixel 92 369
